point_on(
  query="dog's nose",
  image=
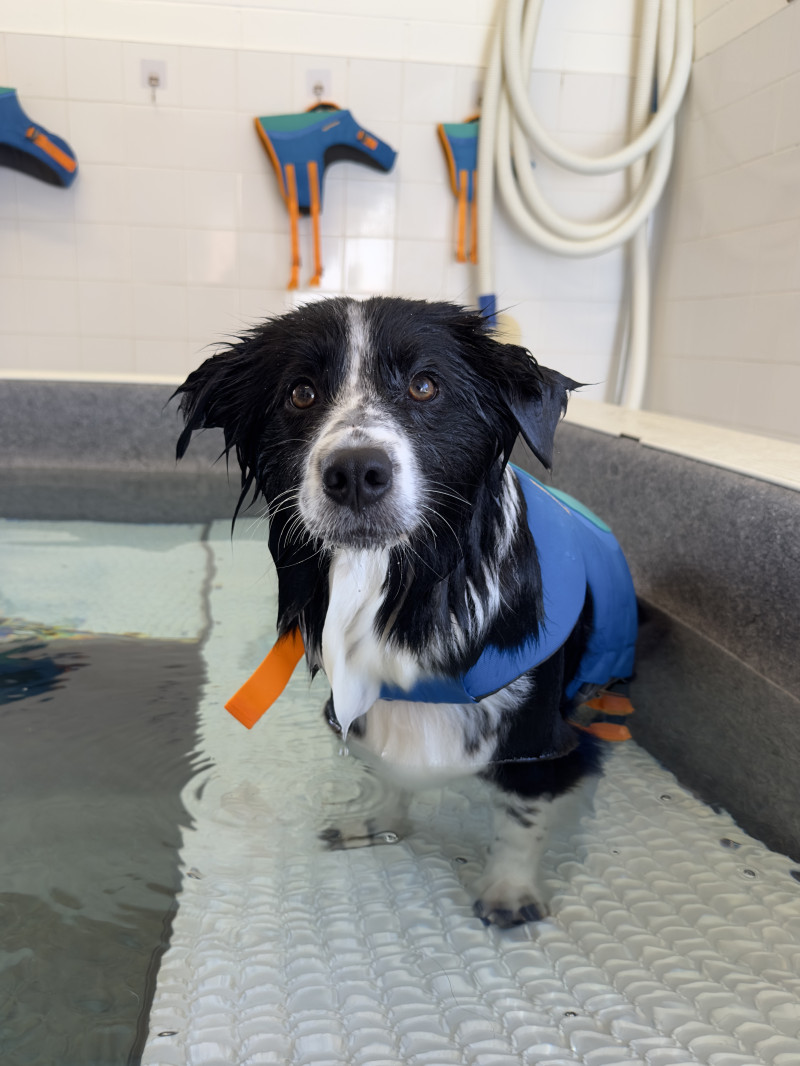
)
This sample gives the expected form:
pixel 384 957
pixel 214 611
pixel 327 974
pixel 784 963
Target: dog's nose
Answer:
pixel 357 477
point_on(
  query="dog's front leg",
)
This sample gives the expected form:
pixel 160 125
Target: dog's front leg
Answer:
pixel 510 891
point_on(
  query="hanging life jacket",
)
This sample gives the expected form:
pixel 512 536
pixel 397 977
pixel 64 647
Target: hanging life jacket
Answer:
pixel 32 149
pixel 301 146
pixel 577 552
pixel 460 144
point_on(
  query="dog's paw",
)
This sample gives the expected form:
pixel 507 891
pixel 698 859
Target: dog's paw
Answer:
pixel 357 835
pixel 505 904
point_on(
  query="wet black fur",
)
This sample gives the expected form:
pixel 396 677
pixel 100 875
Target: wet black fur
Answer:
pixel 489 393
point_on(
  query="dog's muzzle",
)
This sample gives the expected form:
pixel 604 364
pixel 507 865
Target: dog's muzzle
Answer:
pixel 356 478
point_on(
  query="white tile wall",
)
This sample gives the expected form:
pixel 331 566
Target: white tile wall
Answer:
pixel 726 339
pixel 174 233
pixel 720 21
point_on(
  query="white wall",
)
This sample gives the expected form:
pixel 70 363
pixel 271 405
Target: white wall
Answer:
pixel 726 344
pixel 719 21
pixel 174 235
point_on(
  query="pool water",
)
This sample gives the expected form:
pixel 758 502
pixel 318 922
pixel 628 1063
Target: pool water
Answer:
pixel 164 896
pixel 98 726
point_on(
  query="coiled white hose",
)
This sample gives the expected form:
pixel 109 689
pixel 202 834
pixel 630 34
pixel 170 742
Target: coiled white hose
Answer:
pixel 508 123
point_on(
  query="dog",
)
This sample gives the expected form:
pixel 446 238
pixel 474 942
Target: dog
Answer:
pixel 423 570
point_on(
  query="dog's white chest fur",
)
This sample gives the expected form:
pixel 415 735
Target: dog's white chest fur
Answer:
pixel 417 743
pixel 355 659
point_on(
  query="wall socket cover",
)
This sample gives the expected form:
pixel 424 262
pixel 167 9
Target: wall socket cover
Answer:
pixel 157 69
pixel 319 84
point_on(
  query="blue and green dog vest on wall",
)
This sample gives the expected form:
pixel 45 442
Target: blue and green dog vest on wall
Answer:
pixel 577 551
pixel 30 148
pixel 460 143
pixel 301 146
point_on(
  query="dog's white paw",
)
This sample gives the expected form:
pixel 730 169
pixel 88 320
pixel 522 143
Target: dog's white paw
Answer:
pixel 506 902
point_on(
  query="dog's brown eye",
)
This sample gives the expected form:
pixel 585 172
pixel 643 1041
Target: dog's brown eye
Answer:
pixel 422 388
pixel 303 395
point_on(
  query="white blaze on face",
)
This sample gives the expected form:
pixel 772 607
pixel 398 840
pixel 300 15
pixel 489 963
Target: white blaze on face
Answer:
pixel 359 418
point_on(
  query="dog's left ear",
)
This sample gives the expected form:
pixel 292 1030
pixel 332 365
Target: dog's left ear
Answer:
pixel 533 395
pixel 538 400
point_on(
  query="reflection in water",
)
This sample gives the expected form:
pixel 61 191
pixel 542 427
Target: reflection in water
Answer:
pixel 96 741
pixel 25 667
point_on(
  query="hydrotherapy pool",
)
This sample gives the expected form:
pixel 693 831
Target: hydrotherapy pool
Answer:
pixel 165 898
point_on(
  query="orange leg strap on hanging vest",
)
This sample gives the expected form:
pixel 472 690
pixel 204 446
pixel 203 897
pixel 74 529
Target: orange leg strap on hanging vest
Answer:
pixel 261 690
pixel 461 245
pixel 313 182
pixel 55 153
pixel 294 221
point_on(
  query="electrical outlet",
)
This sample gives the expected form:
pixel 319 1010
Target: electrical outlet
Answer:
pixel 318 84
pixel 154 74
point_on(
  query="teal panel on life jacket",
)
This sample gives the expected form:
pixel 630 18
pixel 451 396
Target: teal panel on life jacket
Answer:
pixel 576 551
pixel 30 148
pixel 581 508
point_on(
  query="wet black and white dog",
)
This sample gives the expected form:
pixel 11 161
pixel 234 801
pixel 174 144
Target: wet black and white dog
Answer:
pixel 379 433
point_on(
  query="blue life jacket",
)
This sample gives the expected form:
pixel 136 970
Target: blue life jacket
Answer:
pixel 320 136
pixel 30 148
pixel 300 147
pixel 460 143
pixel 576 551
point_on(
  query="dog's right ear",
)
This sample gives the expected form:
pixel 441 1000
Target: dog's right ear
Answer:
pixel 228 392
pixel 199 401
pixel 222 394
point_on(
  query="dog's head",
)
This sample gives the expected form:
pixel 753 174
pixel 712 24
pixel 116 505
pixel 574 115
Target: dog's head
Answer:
pixel 368 423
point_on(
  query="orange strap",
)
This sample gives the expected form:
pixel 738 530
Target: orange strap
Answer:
pixel 313 182
pixel 367 140
pixel 461 245
pixel 261 690
pixel 608 703
pixel 46 145
pixel 264 138
pixel 473 221
pixel 606 731
pixel 294 218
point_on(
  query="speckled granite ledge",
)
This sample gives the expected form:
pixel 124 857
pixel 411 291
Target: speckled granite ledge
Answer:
pixel 97 450
pixel 93 425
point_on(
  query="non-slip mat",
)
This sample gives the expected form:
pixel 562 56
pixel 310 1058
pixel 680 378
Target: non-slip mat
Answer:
pixel 674 939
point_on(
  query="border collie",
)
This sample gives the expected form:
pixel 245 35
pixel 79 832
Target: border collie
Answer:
pixel 449 598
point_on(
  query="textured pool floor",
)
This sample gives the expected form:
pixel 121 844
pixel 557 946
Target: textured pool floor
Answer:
pixel 674 938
